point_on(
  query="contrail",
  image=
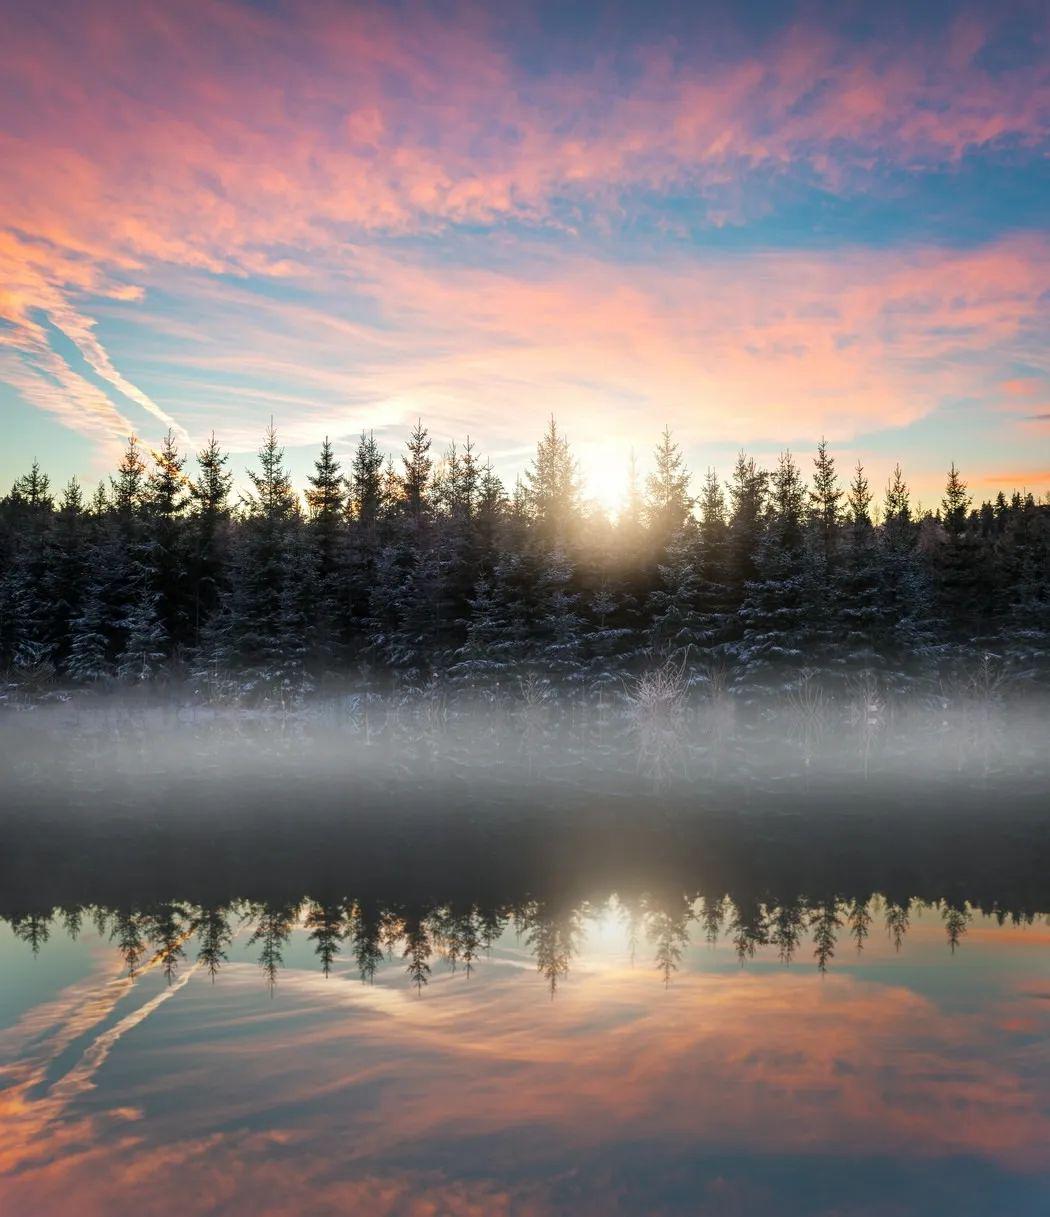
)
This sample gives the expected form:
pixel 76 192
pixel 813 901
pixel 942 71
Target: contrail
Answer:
pixel 79 1078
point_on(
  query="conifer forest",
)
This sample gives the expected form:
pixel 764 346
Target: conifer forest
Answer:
pixel 419 576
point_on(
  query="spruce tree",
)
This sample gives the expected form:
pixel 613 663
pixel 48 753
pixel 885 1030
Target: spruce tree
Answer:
pixel 962 571
pixel 129 486
pixel 88 661
pixel 714 596
pixel 416 477
pixel 747 493
pixel 825 500
pixel 67 565
pixel 955 504
pixel 553 486
pixel 777 605
pixel 676 628
pixel 251 636
pixel 668 503
pixel 145 638
pixel 208 540
pixel 329 548
pixel 164 503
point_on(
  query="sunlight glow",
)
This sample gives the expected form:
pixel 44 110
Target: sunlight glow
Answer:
pixel 604 466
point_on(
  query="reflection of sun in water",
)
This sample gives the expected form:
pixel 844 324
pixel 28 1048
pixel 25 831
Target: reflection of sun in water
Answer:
pixel 604 468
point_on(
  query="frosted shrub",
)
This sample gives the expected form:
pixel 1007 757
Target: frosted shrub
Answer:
pixel 656 705
pixel 975 713
pixel 34 669
pixel 532 714
pixel 807 713
pixel 866 712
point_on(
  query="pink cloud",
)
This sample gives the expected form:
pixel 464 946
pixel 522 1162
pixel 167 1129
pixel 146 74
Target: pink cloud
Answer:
pixel 202 136
pixel 748 348
pixel 756 1063
pixel 222 138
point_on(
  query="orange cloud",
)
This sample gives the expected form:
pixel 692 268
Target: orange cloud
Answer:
pixel 381 1083
pixel 778 347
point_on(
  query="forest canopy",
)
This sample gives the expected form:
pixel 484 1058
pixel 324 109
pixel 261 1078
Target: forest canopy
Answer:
pixel 396 574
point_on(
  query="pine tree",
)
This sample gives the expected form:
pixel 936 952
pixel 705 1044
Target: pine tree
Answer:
pixel 747 493
pixel 906 639
pixel 714 596
pixel 955 504
pixel 962 569
pixel 67 568
pixel 553 486
pixel 326 497
pixel 252 634
pixel 858 503
pixel 668 503
pixel 676 626
pixel 26 611
pixel 897 525
pixel 416 477
pixel 33 491
pixel 164 502
pixel 272 498
pixel 143 655
pixel 208 535
pixel 88 662
pixel 857 589
pixel 786 507
pixel 129 485
pixel 825 500
pixel 326 501
pixel 558 627
pixel 633 502
pixel 776 612
pixel 494 648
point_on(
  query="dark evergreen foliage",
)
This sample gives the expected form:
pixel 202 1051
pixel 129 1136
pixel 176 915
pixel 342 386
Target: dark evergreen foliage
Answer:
pixel 423 573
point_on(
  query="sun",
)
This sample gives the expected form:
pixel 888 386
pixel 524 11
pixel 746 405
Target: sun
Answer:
pixel 604 466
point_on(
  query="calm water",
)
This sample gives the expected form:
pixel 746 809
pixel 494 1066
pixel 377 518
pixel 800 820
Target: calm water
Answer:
pixel 741 1014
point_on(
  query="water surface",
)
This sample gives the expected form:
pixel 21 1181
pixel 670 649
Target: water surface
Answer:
pixel 516 1011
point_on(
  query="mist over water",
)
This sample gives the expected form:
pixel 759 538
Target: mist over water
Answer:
pixel 418 956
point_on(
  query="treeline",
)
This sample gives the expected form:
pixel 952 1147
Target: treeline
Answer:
pixel 403 575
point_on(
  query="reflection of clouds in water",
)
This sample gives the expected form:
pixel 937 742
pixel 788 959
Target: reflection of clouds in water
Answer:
pixel 81 1076
pixel 484 1097
pixel 36 1120
pixel 382 1111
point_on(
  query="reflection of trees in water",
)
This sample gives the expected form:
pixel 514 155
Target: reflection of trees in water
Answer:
pixel 273 925
pixel 956 920
pixel 668 932
pixel 825 923
pixel 747 928
pixel 553 936
pixel 325 923
pixel 787 928
pixel 214 935
pixel 32 929
pixel 164 932
pixel 898 919
pixel 127 933
pixel 167 926
pixel 365 931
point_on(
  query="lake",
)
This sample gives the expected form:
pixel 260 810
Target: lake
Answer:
pixel 481 1001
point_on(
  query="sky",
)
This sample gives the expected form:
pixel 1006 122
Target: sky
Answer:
pixel 754 223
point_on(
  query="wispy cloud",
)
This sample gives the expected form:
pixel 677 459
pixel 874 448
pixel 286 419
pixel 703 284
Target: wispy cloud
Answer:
pixel 754 1063
pixel 448 208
